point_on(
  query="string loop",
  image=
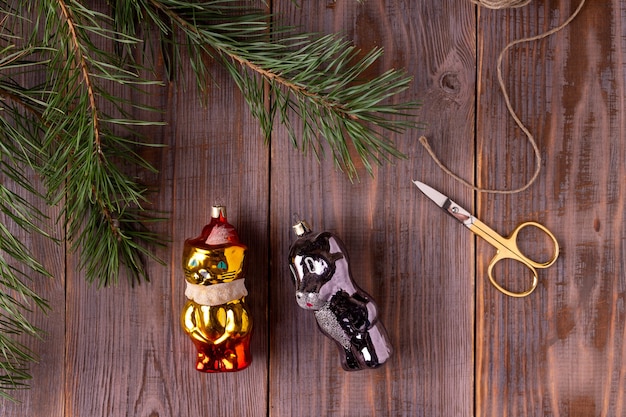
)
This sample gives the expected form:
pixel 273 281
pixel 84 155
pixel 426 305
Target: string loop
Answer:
pixel 502 4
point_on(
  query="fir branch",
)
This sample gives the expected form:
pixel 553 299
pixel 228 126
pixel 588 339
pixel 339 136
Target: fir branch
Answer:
pixel 68 129
pixel 319 78
pixel 60 62
pixel 99 197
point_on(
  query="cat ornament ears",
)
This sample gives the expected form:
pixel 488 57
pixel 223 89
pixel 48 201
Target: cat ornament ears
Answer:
pixel 345 313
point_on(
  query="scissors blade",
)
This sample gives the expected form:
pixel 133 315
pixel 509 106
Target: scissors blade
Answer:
pixel 444 202
pixel 434 195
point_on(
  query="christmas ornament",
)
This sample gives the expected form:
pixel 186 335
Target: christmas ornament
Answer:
pixel 321 270
pixel 215 316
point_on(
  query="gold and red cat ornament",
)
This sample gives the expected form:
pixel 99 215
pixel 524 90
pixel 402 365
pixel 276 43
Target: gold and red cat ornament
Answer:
pixel 216 316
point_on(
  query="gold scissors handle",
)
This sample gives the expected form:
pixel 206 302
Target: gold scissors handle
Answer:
pixel 507 249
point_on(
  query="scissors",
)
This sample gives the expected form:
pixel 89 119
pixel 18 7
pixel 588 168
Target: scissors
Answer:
pixel 506 246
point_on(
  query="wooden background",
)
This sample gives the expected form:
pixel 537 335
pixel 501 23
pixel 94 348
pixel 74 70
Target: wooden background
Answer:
pixel 461 348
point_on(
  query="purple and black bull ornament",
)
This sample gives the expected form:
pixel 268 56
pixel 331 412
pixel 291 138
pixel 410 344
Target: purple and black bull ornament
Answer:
pixel 321 270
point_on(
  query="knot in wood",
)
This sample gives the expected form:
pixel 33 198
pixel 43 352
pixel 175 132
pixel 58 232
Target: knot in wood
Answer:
pixel 450 83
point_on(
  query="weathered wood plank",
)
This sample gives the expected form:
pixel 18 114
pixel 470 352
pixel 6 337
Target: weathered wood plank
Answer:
pixel 46 394
pixel 407 254
pixel 560 351
pixel 127 352
pixel 223 160
pixel 121 351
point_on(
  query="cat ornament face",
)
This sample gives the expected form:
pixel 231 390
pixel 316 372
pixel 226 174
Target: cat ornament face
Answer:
pixel 345 313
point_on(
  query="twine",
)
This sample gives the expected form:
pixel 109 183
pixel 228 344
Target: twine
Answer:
pixel 507 100
pixel 501 4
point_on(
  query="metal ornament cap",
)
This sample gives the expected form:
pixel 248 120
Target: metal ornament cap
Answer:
pixel 218 210
pixel 301 228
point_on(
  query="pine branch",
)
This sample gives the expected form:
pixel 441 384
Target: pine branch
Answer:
pixel 319 79
pixel 103 206
pixel 60 63
pixel 68 128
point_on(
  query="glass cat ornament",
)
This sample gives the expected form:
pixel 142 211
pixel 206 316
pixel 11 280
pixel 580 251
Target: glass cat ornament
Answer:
pixel 216 316
pixel 345 313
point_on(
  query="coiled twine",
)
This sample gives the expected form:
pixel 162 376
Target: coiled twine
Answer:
pixel 501 4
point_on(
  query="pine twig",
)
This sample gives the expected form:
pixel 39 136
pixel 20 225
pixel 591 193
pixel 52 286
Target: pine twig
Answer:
pixel 319 79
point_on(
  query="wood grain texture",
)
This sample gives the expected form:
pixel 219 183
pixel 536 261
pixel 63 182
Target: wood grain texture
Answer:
pixel 223 160
pixel 461 348
pixel 394 236
pixel 46 395
pixel 559 352
pixel 127 352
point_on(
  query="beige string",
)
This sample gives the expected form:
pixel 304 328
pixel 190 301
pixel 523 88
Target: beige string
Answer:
pixel 501 4
pixel 507 100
